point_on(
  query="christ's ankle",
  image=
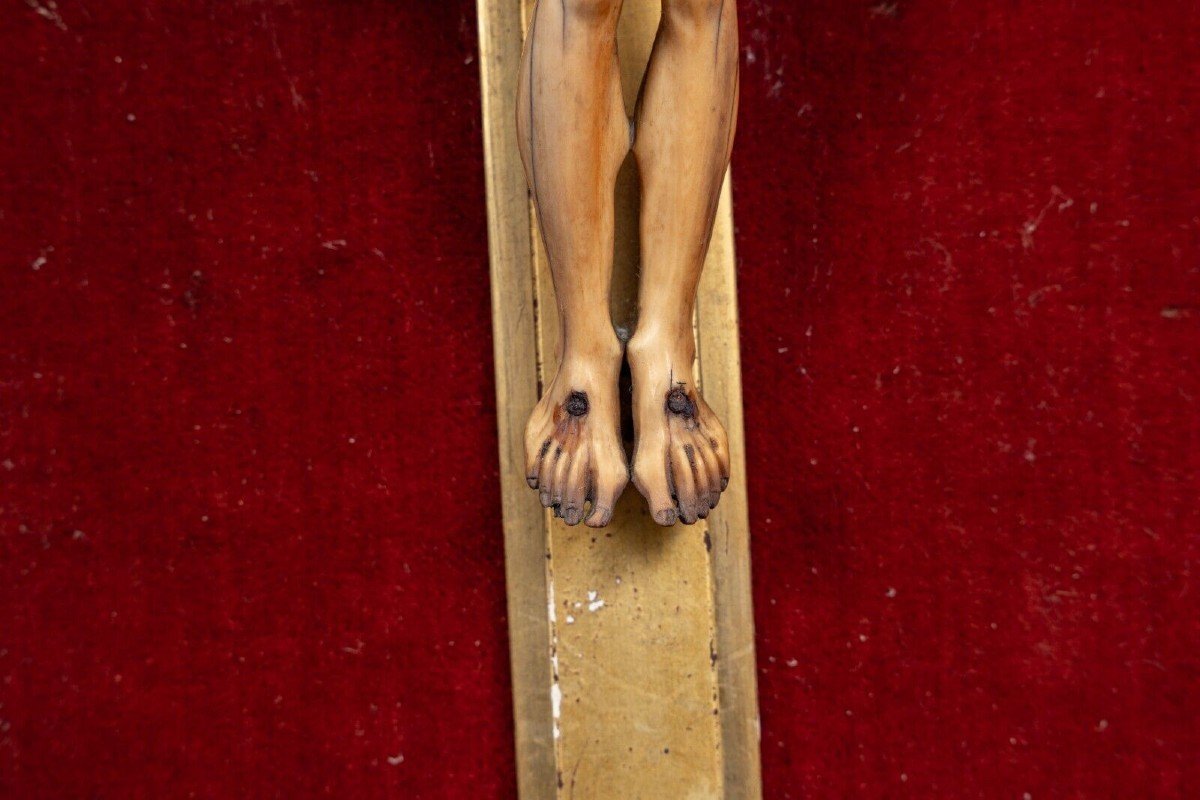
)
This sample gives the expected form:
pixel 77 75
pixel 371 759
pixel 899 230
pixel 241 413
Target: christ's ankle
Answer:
pixel 655 343
pixel 597 348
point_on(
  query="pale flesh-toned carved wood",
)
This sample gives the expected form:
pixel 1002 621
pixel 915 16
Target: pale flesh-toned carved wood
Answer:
pixel 633 661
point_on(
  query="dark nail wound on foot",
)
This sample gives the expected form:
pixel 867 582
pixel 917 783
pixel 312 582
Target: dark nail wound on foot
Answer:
pixel 577 404
pixel 680 404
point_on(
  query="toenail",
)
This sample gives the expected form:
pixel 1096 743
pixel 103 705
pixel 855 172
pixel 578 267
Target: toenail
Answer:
pixel 679 403
pixel 600 516
pixel 577 404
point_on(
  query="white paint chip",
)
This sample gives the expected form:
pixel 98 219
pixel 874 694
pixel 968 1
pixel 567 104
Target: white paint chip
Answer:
pixel 556 705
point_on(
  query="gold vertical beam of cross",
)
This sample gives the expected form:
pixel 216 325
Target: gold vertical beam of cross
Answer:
pixel 632 646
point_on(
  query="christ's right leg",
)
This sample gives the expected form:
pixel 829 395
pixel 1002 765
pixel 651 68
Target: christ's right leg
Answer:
pixel 574 134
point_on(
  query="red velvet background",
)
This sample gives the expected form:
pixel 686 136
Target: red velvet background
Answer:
pixel 249 543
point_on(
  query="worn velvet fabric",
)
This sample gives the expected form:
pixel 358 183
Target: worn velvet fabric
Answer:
pixel 249 534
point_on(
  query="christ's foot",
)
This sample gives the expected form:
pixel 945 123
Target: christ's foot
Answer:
pixel 573 451
pixel 681 460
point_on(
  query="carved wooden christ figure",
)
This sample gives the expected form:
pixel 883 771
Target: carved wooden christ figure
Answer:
pixel 574 135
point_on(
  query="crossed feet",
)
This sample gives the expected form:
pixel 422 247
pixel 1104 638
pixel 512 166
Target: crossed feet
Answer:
pixel 573 451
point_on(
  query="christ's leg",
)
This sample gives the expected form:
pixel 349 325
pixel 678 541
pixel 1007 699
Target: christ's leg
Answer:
pixel 574 135
pixel 685 126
